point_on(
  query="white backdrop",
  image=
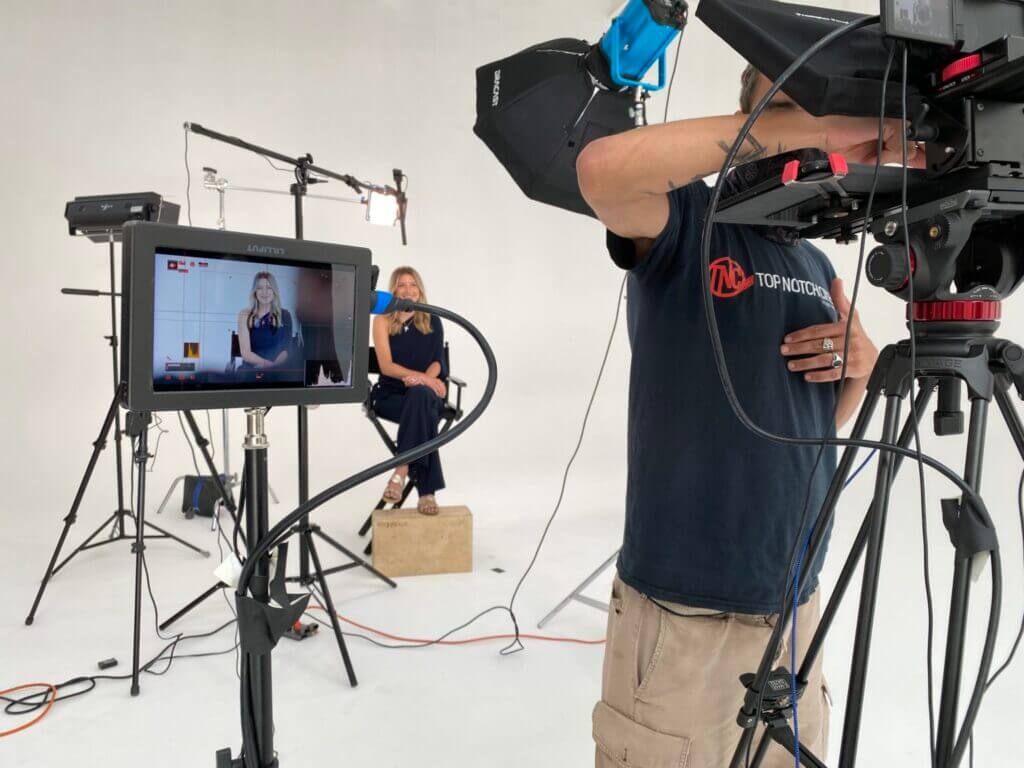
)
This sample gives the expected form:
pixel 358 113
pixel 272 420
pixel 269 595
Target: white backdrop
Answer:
pixel 95 97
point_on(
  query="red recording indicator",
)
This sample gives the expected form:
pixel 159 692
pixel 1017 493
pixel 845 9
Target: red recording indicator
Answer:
pixel 958 67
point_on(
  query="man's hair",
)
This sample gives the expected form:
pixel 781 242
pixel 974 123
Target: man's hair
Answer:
pixel 747 82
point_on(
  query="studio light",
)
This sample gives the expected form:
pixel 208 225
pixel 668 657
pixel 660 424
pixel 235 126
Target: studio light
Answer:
pixel 538 108
pixel 382 208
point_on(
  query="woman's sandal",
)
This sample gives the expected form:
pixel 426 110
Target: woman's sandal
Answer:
pixel 427 505
pixel 393 493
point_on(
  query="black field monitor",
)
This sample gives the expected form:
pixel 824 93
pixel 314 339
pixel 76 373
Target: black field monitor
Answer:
pixel 215 319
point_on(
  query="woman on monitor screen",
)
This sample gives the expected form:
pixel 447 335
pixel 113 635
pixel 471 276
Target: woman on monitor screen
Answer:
pixel 411 388
pixel 264 328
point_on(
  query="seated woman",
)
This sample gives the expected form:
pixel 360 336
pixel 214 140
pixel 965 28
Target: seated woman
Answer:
pixel 264 328
pixel 410 351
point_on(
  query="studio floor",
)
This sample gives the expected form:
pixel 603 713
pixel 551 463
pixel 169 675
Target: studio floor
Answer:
pixel 427 706
pixel 462 705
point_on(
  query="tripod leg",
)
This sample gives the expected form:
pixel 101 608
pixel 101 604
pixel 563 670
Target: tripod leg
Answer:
pixel 88 542
pixel 952 671
pixel 168 535
pixel 354 557
pixel 749 712
pixel 579 588
pixel 72 515
pixel 1012 419
pixel 869 588
pixel 211 591
pixel 141 457
pixel 924 396
pixel 170 492
pixel 311 546
pixel 118 455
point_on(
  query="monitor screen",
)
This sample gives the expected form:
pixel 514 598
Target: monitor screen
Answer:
pixel 221 321
pixel 230 320
pixel 928 20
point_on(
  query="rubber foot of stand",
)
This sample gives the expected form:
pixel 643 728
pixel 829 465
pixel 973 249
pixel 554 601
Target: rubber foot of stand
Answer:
pixel 205 553
pixel 135 690
pixel 300 631
pixel 28 621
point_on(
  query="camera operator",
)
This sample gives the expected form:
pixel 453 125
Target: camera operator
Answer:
pixel 712 511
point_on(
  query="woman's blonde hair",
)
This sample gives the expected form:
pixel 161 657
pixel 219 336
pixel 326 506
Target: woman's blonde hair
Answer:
pixel 420 319
pixel 275 305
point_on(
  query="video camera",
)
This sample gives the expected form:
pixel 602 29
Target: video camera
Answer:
pixel 964 97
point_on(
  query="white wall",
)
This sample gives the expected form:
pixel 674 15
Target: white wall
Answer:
pixel 95 97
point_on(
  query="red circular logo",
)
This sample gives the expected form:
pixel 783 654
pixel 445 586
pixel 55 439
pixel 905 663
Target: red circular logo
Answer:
pixel 728 278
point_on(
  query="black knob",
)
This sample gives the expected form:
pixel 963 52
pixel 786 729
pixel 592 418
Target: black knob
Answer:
pixel 887 266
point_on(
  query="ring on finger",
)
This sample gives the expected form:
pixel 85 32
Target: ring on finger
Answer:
pixel 827 344
pixel 837 360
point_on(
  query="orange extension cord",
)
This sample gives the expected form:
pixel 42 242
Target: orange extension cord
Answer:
pixel 41 715
pixel 378 632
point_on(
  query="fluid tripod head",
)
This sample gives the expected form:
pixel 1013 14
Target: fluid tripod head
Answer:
pixel 964 98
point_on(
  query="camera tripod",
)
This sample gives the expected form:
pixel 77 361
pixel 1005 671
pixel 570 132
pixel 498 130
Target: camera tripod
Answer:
pixel 950 354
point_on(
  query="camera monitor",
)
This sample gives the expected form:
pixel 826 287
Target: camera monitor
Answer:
pixel 217 319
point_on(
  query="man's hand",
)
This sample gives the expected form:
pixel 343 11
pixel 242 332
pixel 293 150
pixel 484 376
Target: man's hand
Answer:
pixel 810 350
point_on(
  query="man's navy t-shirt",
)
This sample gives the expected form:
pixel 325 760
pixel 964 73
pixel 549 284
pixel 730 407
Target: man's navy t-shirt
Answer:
pixel 712 511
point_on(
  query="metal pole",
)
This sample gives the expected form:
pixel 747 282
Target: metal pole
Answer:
pixel 257 524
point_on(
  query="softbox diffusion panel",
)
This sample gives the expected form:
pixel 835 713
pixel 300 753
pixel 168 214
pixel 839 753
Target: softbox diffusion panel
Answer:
pixel 843 79
pixel 538 108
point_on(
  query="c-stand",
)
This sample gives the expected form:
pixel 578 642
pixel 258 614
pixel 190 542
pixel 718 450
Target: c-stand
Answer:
pixel 304 168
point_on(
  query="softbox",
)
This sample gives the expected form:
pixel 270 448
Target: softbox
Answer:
pixel 538 108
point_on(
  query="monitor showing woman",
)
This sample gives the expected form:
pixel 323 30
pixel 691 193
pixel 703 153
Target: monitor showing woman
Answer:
pixel 264 327
pixel 411 388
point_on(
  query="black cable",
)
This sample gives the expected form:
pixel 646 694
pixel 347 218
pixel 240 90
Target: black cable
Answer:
pixel 209 433
pixel 672 78
pixel 804 517
pixel 516 644
pixel 716 340
pixel 913 411
pixel 1020 632
pixel 282 529
pixel 796 555
pixel 275 167
pixel 976 504
pixel 188 181
pixel 158 425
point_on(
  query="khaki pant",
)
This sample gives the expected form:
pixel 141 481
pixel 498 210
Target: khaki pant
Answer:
pixel 671 692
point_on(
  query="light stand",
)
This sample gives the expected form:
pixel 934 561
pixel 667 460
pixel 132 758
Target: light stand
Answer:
pixel 304 170
pixel 577 593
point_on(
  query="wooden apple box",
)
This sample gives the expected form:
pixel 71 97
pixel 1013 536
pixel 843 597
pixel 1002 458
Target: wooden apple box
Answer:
pixel 406 543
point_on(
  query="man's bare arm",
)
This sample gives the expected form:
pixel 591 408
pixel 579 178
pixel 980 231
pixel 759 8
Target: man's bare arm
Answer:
pixel 625 177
